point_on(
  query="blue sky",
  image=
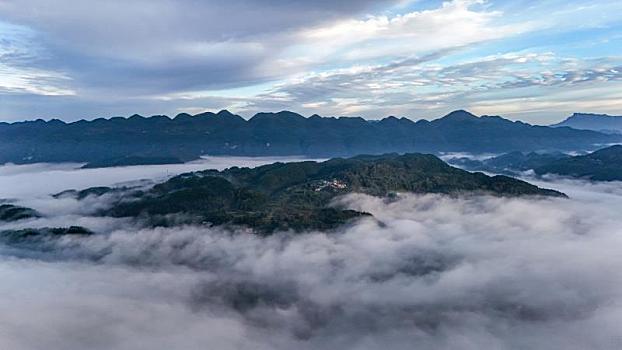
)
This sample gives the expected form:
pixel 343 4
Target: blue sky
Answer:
pixel 537 61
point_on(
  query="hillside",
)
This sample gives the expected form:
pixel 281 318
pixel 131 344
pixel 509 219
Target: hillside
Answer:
pixel 40 239
pixel 10 212
pixel 512 163
pixel 602 165
pixel 186 137
pixel 298 196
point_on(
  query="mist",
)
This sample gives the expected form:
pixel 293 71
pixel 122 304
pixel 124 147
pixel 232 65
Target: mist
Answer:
pixel 426 272
pixel 40 179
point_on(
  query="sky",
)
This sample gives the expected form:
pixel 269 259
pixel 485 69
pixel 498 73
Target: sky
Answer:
pixel 537 61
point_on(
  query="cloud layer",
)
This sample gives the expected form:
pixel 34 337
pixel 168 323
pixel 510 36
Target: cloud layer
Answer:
pixel 438 272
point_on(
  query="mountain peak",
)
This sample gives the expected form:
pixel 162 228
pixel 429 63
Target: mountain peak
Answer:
pixel 222 115
pixel 282 115
pixel 136 117
pixel 392 120
pixel 56 121
pixel 225 113
pixel 204 115
pixel 459 115
pixel 182 116
pixel 290 114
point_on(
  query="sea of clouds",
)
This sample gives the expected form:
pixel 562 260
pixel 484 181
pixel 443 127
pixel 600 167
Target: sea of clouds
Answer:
pixel 426 272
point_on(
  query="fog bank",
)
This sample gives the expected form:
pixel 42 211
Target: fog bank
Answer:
pixel 427 272
pixel 31 180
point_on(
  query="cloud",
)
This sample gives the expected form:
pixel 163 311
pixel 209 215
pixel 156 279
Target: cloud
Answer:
pixel 133 53
pixel 439 272
pixel 543 105
pixel 32 186
pixel 155 46
pixel 421 88
pixel 18 60
pixel 132 27
pixel 80 59
pixel 453 24
pixel 31 181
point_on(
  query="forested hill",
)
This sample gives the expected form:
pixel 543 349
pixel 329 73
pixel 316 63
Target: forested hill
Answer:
pixel 298 195
pixel 186 137
pixel 602 165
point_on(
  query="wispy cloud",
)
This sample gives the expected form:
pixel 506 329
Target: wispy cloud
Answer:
pixel 418 87
pixel 19 59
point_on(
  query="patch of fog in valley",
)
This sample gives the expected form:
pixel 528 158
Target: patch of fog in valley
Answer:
pixel 447 156
pixel 428 271
pixel 40 179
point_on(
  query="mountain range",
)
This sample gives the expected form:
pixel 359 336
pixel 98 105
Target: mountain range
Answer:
pixel 596 122
pixel 187 137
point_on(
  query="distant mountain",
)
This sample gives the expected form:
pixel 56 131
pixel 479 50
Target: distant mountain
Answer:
pixel 596 122
pixel 297 196
pixel 602 165
pixel 187 137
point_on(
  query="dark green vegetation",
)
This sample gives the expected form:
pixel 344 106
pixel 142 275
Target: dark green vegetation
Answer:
pixel 131 160
pixel 97 191
pixel 602 165
pixel 187 137
pixel 9 212
pixel 298 195
pixel 38 235
pixel 597 122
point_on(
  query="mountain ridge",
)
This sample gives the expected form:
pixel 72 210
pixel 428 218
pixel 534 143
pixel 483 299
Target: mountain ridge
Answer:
pixel 285 133
pixel 456 114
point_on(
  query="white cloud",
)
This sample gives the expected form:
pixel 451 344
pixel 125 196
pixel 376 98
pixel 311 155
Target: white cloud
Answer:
pixel 136 48
pixel 18 72
pixel 439 272
pixel 14 80
pixel 164 56
pixel 454 24
pixel 497 84
pixel 35 180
